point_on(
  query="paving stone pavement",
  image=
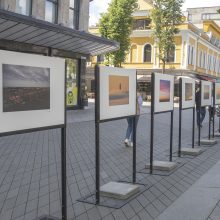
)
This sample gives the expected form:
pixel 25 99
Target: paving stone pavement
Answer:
pixel 30 164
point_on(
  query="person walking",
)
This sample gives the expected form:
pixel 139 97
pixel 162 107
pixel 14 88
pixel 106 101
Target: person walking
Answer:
pixel 129 133
pixel 201 111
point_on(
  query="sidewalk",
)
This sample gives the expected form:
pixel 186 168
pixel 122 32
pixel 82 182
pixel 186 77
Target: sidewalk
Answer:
pixel 200 202
pixel 30 168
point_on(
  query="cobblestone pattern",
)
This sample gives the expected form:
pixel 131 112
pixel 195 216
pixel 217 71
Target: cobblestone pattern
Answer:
pixel 30 167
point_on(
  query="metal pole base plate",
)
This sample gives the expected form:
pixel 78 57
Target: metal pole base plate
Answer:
pixel 191 151
pixel 119 190
pixel 162 165
pixel 208 142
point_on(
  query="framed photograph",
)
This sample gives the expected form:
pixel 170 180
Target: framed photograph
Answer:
pixel 31 91
pixel 206 93
pixel 217 93
pixel 117 92
pixel 188 93
pixel 163 92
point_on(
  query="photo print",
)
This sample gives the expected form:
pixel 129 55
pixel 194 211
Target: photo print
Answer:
pixel 118 90
pixel 25 88
pixel 188 91
pixel 164 90
pixel 206 92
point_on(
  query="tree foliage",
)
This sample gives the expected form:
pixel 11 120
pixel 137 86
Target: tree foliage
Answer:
pixel 116 24
pixel 218 11
pixel 166 15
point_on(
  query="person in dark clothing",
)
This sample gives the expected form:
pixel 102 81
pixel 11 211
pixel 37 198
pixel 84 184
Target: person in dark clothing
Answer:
pixel 202 113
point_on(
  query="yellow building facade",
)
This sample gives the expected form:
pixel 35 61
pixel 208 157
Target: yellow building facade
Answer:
pixel 196 53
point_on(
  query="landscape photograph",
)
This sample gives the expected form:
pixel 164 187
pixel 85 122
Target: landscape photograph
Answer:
pixel 206 92
pixel 118 90
pixel 164 91
pixel 188 91
pixel 25 88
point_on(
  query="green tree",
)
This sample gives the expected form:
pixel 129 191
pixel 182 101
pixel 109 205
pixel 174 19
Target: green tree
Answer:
pixel 218 11
pixel 116 24
pixel 166 16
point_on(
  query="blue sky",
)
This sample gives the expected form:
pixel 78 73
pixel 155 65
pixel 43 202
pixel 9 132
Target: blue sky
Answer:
pixel 99 6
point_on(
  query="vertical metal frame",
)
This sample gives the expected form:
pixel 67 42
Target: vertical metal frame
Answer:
pixel 213 122
pixel 63 158
pixel 180 119
pixel 152 122
pixel 97 147
pixel 180 116
pixel 152 125
pixel 199 131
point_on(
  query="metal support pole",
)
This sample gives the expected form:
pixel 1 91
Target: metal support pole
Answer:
pixel 97 163
pixel 180 117
pixel 213 119
pixel 152 123
pixel 171 137
pixel 63 171
pixel 199 133
pixel 63 154
pixel 210 122
pixel 134 149
pixel 97 144
pixel 193 129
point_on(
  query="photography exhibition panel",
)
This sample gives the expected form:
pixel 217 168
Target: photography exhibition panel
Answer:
pixel 163 92
pixel 206 93
pixel 217 93
pixel 117 92
pixel 188 93
pixel 32 91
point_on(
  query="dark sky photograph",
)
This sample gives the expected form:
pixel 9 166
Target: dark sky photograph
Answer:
pixel 25 76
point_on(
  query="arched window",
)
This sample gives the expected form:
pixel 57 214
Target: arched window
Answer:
pixel 147 53
pixel 133 53
pixel 171 55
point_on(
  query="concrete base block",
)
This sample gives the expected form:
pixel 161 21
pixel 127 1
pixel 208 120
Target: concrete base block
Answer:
pixel 208 142
pixel 162 165
pixel 119 190
pixel 217 134
pixel 191 151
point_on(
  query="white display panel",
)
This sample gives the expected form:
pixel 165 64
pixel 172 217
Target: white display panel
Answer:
pixel 163 92
pixel 217 93
pixel 206 93
pixel 117 92
pixel 188 93
pixel 31 91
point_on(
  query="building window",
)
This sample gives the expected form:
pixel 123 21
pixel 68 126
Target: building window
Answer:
pixel 141 24
pixel 74 14
pixel 51 11
pixel 210 16
pixel 24 7
pixel 147 53
pixel 171 55
pixel 204 60
pixel 189 54
pixel 192 55
pixel 72 82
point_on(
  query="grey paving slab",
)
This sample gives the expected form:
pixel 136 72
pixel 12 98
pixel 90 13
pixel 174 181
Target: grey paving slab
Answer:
pixel 30 165
pixel 197 202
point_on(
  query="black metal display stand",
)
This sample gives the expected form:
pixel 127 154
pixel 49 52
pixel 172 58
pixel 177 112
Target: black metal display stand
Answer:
pixel 181 109
pixel 97 136
pixel 63 150
pixel 153 113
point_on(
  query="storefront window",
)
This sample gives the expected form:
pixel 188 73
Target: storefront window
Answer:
pixel 51 11
pixel 23 7
pixel 72 82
